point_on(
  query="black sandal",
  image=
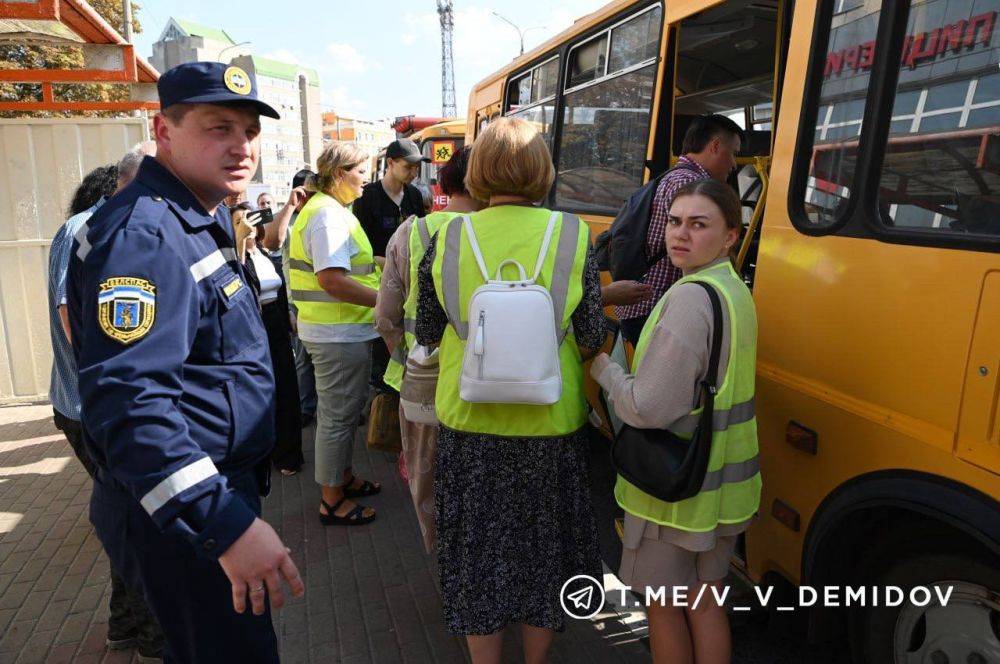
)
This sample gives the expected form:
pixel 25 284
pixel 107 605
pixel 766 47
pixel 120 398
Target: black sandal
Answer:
pixel 353 518
pixel 366 489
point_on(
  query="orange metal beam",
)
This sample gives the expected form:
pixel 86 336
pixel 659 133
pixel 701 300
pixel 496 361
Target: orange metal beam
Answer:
pixel 64 76
pixel 79 105
pixel 41 10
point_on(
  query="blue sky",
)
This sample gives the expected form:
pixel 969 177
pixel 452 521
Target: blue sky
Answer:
pixel 376 58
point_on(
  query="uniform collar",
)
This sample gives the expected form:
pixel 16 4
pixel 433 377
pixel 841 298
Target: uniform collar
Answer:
pixel 155 175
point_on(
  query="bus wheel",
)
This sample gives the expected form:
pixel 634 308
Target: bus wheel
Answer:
pixel 964 630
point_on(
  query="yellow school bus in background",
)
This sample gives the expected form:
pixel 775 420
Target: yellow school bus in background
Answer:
pixel 873 161
pixel 438 142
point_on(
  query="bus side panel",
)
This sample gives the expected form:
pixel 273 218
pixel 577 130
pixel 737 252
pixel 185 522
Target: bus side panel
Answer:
pixel 864 342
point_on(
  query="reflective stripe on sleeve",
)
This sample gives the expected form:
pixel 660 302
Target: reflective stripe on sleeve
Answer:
pixel 81 237
pixel 180 480
pixel 212 262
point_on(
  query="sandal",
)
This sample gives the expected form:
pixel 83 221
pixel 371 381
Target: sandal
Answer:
pixel 288 472
pixel 353 518
pixel 366 489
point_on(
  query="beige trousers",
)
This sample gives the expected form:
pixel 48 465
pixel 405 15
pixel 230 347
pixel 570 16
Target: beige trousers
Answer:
pixel 419 450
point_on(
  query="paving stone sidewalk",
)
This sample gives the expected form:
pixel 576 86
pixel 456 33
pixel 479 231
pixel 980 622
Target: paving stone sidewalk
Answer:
pixel 371 592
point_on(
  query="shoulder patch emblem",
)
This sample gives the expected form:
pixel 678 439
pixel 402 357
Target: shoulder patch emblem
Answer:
pixel 126 307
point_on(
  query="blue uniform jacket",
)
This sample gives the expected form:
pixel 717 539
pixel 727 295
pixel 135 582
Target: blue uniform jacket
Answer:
pixel 175 374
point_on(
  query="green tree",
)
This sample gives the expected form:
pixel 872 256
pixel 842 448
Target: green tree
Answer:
pixel 24 55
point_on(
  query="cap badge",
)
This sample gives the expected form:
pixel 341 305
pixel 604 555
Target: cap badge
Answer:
pixel 237 80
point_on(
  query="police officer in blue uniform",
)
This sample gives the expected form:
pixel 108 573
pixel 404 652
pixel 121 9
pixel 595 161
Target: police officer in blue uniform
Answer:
pixel 175 378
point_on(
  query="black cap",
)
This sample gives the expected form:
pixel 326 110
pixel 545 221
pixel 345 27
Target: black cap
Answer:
pixel 299 179
pixel 210 83
pixel 404 148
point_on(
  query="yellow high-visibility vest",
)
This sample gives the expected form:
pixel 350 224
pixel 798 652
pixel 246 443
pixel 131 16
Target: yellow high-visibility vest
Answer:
pixel 730 492
pixel 314 304
pixel 421 232
pixel 515 233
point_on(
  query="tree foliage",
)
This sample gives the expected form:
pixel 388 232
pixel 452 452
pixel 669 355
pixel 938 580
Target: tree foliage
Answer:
pixel 34 55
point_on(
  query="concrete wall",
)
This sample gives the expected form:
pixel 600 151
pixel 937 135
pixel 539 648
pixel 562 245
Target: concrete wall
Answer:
pixel 42 161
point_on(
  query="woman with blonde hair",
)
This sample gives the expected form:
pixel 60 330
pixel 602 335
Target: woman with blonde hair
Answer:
pixel 334 280
pixel 513 508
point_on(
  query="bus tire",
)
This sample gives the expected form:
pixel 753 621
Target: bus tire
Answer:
pixel 966 630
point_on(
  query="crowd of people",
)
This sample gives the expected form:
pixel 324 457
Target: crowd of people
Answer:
pixel 196 335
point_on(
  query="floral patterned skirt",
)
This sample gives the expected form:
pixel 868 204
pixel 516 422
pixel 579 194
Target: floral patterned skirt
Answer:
pixel 515 521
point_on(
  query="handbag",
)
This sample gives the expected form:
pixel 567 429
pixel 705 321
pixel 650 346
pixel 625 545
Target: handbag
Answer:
pixel 383 424
pixel 417 392
pixel 658 461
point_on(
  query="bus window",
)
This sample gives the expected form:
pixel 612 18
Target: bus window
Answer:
pixel 843 88
pixel 586 62
pixel 532 97
pixel 606 118
pixel 941 170
pixel 726 66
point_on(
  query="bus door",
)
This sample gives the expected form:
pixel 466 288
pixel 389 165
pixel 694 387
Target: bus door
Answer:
pixel 729 61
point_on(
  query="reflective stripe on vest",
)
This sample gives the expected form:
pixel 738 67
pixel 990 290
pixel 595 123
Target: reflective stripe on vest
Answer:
pixel 730 492
pixel 314 304
pixel 419 239
pixel 457 275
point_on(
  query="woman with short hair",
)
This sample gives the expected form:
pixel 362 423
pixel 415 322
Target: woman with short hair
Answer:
pixel 688 544
pixel 334 280
pixel 513 507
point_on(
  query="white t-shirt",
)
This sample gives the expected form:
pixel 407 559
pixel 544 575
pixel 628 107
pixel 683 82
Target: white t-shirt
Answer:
pixel 327 242
pixel 270 282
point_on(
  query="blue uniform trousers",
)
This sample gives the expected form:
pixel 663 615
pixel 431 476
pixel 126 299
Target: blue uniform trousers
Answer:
pixel 190 595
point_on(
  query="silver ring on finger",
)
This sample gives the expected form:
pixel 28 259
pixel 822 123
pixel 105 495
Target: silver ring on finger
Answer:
pixel 258 589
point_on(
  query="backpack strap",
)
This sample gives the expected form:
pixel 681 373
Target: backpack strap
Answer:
pixel 711 382
pixel 474 244
pixel 561 273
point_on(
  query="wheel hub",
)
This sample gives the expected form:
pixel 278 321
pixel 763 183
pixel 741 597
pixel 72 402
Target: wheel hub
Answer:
pixel 962 632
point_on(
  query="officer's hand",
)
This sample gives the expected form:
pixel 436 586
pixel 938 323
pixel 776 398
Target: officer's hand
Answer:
pixel 626 292
pixel 253 564
pixel 298 196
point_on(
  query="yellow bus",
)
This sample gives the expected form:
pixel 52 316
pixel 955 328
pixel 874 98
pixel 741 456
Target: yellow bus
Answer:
pixel 873 164
pixel 438 142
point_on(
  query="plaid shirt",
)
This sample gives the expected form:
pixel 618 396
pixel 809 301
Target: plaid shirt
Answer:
pixel 663 274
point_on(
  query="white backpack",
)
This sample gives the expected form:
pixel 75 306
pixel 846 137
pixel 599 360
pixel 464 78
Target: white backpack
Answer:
pixel 512 352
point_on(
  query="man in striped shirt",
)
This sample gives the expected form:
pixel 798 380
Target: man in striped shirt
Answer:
pixel 709 151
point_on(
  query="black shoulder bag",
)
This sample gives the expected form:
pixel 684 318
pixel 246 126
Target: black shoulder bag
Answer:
pixel 661 463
